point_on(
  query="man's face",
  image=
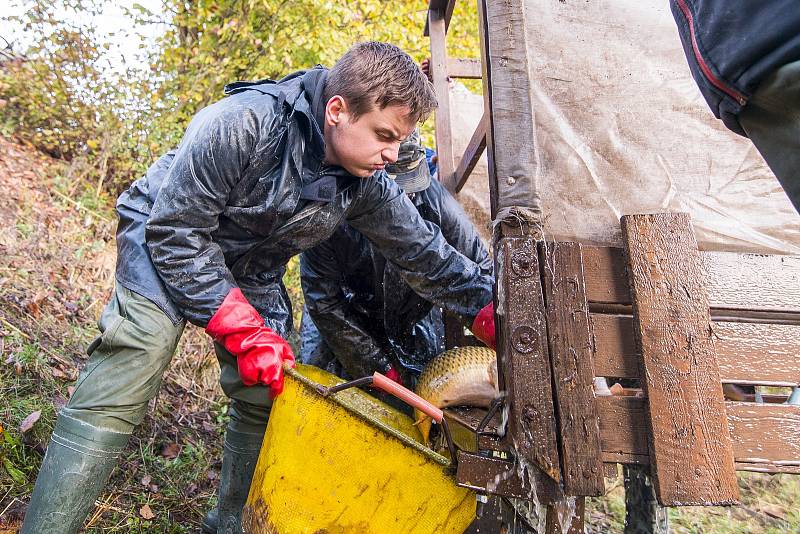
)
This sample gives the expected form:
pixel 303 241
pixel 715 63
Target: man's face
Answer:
pixel 367 144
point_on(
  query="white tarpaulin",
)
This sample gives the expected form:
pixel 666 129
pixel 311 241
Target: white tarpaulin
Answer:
pixel 621 128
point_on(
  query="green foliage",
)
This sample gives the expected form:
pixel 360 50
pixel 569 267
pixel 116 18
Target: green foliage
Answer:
pixel 59 95
pixel 216 42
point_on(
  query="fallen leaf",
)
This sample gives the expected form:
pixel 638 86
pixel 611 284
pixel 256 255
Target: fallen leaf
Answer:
pixel 33 309
pixel 146 480
pixel 774 510
pixel 171 450
pixel 70 391
pixel 208 427
pixel 146 512
pixel 29 421
pixel 59 401
pixel 57 373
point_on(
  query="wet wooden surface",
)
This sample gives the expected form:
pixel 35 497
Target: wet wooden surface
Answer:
pixel 571 356
pixel 523 356
pixel 689 442
pixel 746 352
pixel 766 284
pixel 765 437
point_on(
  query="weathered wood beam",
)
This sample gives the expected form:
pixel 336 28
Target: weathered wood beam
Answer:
pixel 740 348
pixel 690 445
pixel 514 160
pixel 525 369
pixel 444 134
pixel 472 154
pixel 464 68
pixel 765 437
pixel 735 282
pixel 573 376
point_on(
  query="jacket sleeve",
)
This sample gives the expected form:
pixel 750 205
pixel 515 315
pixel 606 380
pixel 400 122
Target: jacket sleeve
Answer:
pixel 432 268
pixel 355 349
pixel 208 164
pixel 459 230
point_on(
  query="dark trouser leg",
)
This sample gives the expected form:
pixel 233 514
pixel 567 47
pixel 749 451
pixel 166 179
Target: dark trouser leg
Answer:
pixel 772 121
pixel 110 398
pixel 643 514
pixel 249 413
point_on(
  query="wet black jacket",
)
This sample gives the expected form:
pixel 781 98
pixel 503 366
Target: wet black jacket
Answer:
pixel 732 45
pixel 366 315
pixel 226 209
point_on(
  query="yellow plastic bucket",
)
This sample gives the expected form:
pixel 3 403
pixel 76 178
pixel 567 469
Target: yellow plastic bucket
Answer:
pixel 348 463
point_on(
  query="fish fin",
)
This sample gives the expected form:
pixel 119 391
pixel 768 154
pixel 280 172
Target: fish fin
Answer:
pixel 491 369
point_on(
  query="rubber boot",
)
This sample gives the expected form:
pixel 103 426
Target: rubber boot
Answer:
pixel 238 464
pixel 76 467
pixel 210 522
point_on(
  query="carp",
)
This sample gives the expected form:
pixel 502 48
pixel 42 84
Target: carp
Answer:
pixel 465 376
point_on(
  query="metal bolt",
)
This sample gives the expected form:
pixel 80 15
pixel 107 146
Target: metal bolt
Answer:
pixel 511 180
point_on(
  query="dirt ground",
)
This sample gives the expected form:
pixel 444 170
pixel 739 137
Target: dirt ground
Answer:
pixel 56 273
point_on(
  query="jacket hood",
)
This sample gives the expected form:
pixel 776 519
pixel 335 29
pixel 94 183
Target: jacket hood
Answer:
pixel 302 91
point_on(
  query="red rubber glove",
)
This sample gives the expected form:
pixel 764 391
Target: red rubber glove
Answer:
pixel 259 351
pixel 393 375
pixel 483 326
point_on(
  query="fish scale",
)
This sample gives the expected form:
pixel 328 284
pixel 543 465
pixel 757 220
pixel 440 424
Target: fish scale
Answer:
pixel 464 376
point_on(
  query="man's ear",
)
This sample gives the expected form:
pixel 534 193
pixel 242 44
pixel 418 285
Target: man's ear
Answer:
pixel 335 110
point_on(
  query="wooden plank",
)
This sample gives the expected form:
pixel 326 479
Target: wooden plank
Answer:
pixel 444 134
pixel 753 281
pixel 472 154
pixel 735 282
pixel 523 358
pixel 689 441
pixel 445 7
pixel 768 468
pixel 467 68
pixel 501 477
pixel 746 352
pixel 571 357
pixel 614 347
pixel 764 436
pixel 765 432
pixel 606 279
pixel 623 427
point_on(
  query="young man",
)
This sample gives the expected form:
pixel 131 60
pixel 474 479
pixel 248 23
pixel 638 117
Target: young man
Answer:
pixel 362 316
pixel 205 236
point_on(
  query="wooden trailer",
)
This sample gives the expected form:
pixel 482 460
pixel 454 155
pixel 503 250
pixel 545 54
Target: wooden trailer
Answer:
pixel 649 305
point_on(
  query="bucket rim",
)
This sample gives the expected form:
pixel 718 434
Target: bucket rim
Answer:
pixel 335 397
